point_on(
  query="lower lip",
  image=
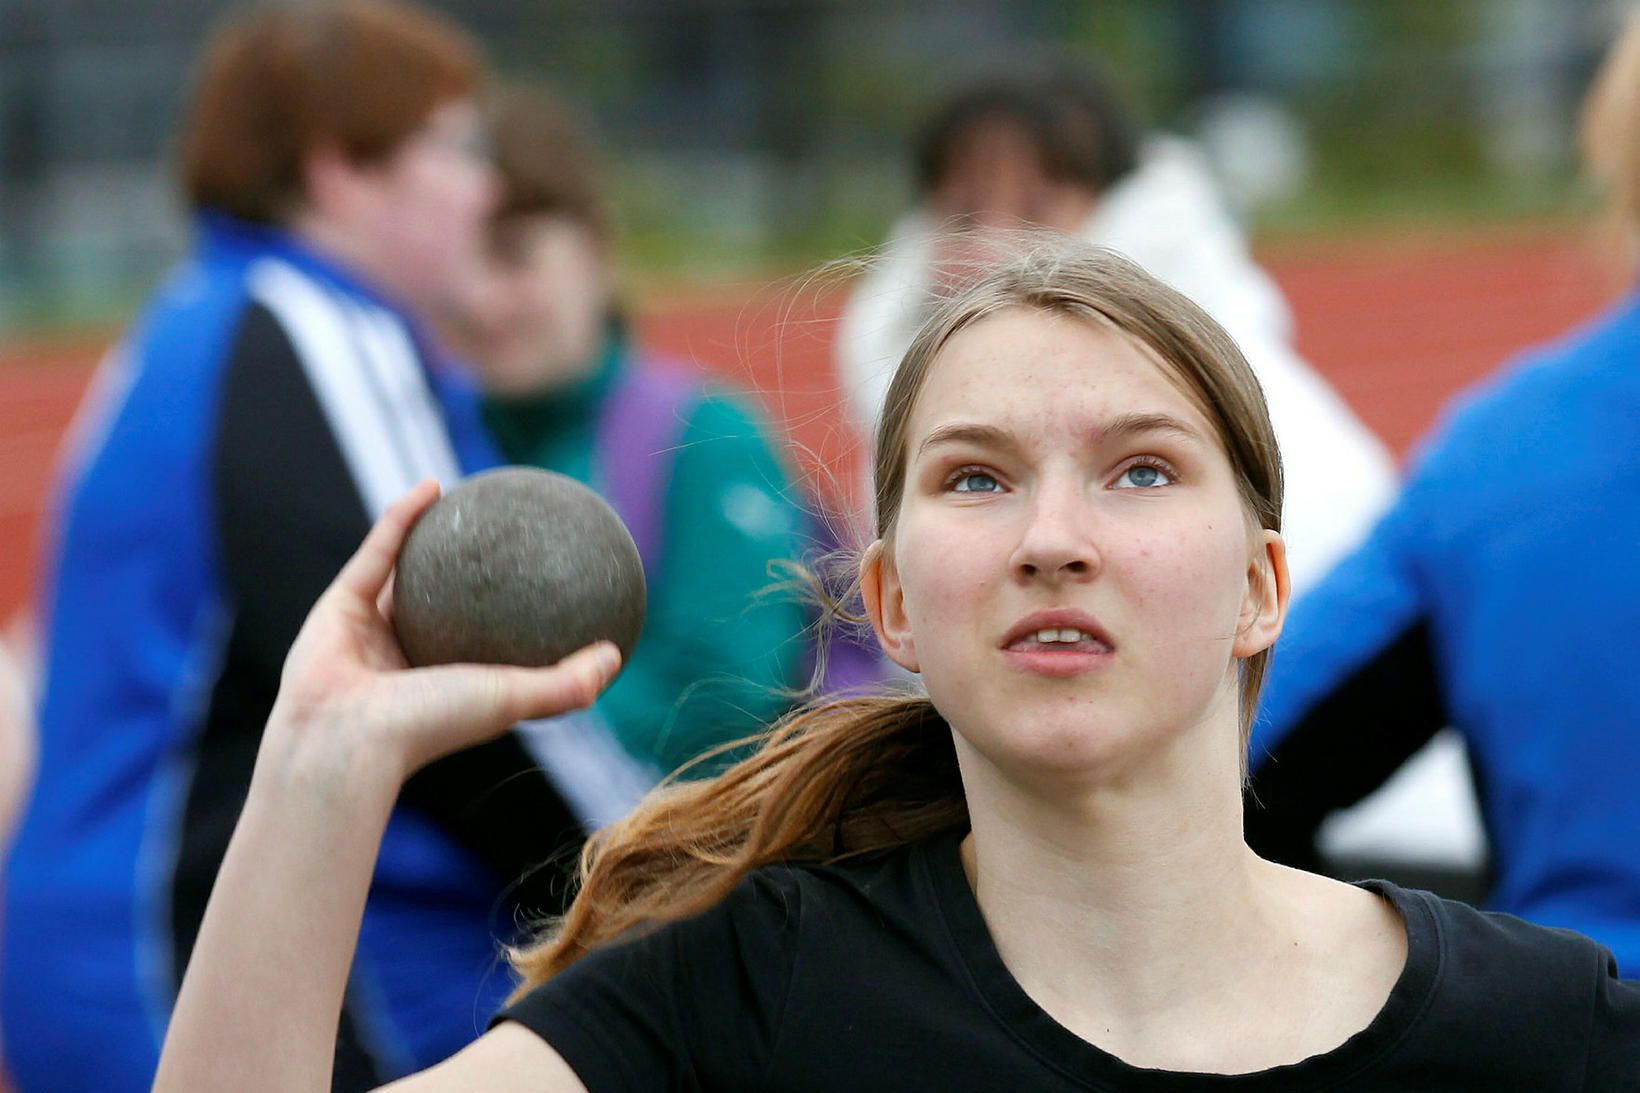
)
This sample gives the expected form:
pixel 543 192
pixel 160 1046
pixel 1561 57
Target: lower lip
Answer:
pixel 1057 663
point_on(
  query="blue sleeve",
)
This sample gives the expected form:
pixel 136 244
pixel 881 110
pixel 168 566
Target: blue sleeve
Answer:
pixel 1359 610
pixel 1353 689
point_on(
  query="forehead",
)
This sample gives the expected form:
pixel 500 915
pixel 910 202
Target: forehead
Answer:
pixel 988 137
pixel 1032 370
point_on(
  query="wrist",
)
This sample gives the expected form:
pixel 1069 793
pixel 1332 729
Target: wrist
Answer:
pixel 318 758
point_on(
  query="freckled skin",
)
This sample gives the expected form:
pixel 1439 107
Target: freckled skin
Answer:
pixel 1164 570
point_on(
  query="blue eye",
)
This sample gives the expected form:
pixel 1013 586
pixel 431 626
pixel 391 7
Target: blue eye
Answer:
pixel 974 482
pixel 1143 476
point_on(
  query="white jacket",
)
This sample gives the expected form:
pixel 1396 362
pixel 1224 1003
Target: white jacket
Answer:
pixel 1166 215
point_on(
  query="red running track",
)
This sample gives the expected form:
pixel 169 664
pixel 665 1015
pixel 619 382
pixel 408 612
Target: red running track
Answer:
pixel 1397 325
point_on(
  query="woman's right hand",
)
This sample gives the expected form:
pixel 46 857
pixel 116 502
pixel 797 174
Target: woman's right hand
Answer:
pixel 258 1004
pixel 348 695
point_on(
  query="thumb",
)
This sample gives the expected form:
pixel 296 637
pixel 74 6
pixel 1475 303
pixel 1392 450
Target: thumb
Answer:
pixel 465 704
pixel 572 683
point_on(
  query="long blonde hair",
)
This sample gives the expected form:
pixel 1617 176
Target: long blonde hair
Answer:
pixel 863 775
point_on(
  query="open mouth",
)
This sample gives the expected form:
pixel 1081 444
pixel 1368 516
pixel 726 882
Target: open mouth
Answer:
pixel 1058 639
pixel 1058 642
pixel 1065 629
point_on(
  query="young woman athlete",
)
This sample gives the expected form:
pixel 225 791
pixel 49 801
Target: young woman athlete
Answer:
pixel 1033 877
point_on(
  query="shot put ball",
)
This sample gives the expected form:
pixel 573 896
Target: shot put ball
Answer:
pixel 516 566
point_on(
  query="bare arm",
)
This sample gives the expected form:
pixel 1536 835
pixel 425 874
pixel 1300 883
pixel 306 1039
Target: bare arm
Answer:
pixel 260 1002
pixel 508 1059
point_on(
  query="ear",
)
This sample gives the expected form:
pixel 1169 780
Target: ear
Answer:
pixel 1269 590
pixel 330 181
pixel 885 606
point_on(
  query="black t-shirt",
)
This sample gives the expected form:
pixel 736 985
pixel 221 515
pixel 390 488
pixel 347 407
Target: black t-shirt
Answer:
pixel 881 975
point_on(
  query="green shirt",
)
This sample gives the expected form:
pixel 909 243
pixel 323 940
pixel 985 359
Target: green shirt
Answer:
pixel 717 649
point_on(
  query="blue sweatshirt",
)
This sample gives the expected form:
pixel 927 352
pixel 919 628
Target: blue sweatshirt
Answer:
pixel 262 411
pixel 1501 595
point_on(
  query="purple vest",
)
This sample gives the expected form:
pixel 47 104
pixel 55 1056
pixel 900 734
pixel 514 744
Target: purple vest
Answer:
pixel 639 431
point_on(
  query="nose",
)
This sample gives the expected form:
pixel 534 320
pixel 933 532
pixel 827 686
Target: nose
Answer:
pixel 489 189
pixel 1058 540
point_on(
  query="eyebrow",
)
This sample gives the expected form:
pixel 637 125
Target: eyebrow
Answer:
pixel 962 432
pixel 1119 427
pixel 1133 424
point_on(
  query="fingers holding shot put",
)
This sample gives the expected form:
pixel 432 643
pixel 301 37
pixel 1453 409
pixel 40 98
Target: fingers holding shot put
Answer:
pixel 348 689
pixel 366 574
pixel 353 719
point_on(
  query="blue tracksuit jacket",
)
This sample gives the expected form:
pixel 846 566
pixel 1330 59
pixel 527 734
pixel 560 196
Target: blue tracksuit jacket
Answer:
pixel 1500 595
pixel 263 410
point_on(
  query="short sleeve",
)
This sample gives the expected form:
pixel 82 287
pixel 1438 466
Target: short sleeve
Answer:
pixel 695 1005
pixel 1354 690
pixel 1614 1038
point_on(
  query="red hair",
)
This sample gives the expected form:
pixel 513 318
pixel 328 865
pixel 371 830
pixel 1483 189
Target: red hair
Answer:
pixel 278 80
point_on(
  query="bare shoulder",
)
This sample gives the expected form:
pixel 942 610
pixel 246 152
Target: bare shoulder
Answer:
pixel 507 1059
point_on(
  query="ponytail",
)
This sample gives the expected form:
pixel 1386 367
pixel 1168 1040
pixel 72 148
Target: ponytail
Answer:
pixel 850 777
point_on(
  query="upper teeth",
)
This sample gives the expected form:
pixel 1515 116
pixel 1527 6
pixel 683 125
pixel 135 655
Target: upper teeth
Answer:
pixel 1061 635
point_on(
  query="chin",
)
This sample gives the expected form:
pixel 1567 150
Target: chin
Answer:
pixel 1082 747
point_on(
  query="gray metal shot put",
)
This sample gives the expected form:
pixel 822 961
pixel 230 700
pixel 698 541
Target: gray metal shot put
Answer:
pixel 516 566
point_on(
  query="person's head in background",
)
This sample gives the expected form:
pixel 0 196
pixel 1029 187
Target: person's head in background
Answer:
pixel 1611 138
pixel 1024 151
pixel 355 125
pixel 537 312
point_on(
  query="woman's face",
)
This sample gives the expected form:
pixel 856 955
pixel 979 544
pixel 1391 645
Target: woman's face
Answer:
pixel 532 316
pixel 425 207
pixel 995 177
pixel 994 184
pixel 1072 569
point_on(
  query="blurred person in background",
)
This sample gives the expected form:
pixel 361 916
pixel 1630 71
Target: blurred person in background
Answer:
pixel 1500 594
pixel 269 402
pixel 16 733
pixel 1059 151
pixel 693 469
pixel 16 754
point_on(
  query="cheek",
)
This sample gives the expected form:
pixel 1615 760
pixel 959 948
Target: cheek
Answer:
pixel 1190 585
pixel 571 275
pixel 950 573
pixel 539 291
pixel 566 296
pixel 486 299
pixel 449 196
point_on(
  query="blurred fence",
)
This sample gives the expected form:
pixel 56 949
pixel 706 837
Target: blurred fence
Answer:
pixel 751 131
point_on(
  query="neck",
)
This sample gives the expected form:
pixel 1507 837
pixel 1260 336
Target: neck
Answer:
pixel 349 249
pixel 1110 898
pixel 1131 910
